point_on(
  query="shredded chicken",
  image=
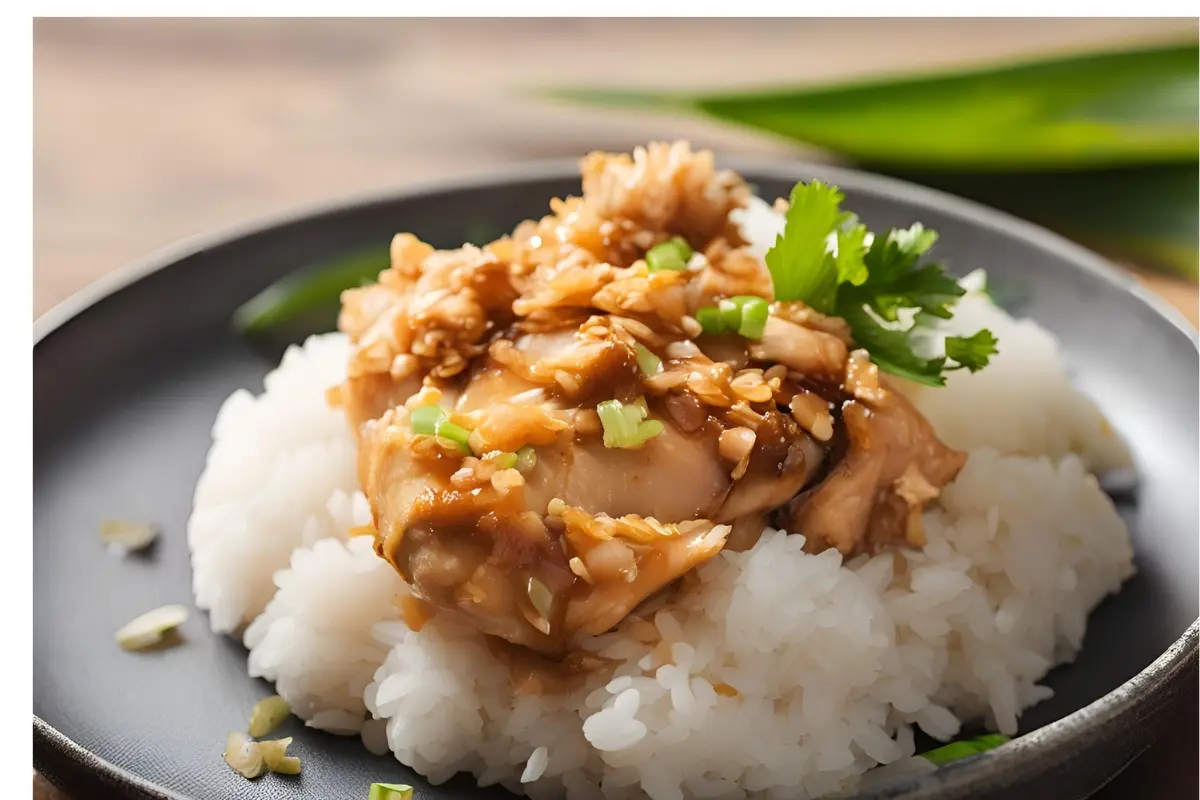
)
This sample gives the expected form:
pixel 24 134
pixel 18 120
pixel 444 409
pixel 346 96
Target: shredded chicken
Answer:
pixel 519 343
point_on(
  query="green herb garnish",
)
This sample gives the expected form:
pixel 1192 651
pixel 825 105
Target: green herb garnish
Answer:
pixel 828 260
pixel 648 363
pixel 434 421
pixel 745 315
pixel 963 749
pixel 625 424
pixel 669 256
pixel 526 459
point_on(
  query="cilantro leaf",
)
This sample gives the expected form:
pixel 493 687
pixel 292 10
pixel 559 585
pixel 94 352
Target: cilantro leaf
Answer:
pixel 928 288
pixel 851 248
pixel 971 352
pixel 898 251
pixel 799 262
pixel 869 284
pixel 891 350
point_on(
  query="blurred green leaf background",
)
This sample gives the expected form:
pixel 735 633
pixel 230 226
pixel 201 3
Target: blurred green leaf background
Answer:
pixel 1102 147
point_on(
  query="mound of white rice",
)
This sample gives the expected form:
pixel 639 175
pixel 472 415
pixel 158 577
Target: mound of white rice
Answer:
pixel 1046 416
pixel 781 674
pixel 280 474
pixel 314 639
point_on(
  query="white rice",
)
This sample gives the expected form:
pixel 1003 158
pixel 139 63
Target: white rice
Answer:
pixel 280 474
pixel 314 639
pixel 1045 416
pixel 782 674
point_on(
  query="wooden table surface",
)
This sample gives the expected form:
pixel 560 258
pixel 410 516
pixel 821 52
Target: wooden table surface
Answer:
pixel 147 131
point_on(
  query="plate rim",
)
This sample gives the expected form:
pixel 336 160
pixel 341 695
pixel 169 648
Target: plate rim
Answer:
pixel 1138 689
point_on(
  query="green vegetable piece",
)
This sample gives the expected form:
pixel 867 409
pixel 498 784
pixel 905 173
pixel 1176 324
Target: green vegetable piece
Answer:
pixel 964 749
pixel 424 420
pixel 310 293
pixel 649 429
pixel 648 363
pixel 446 429
pixel 1116 108
pixel 667 257
pixel 526 459
pixel 869 284
pixel 390 791
pixel 685 250
pixel 710 320
pixel 625 425
pixel 506 460
pixel 267 715
pixel 971 352
pixel 731 314
pixel 800 263
pixel 754 313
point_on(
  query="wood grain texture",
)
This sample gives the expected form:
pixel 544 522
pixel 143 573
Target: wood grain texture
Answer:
pixel 147 131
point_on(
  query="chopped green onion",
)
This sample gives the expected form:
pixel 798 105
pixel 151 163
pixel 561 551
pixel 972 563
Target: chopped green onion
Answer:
pixel 650 428
pixel 731 314
pixel 434 421
pixel 710 320
pixel 424 419
pixel 506 460
pixel 685 249
pixel 745 315
pixel 964 749
pixel 648 363
pixel 625 425
pixel 526 459
pixel 267 714
pixel 755 311
pixel 669 256
pixel 665 258
pixel 446 429
pixel 390 791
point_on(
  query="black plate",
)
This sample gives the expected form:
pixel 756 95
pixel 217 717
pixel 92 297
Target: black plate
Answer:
pixel 128 378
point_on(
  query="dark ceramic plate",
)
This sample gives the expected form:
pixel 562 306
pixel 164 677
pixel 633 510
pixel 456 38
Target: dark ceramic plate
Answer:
pixel 128 378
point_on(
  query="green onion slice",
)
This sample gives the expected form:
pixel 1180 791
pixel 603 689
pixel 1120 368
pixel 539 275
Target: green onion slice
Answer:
pixel 964 749
pixel 446 429
pixel 526 459
pixel 648 363
pixel 745 315
pixel 424 419
pixel 625 425
pixel 665 258
pixel 755 311
pixel 390 791
pixel 434 421
pixel 710 320
pixel 669 256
